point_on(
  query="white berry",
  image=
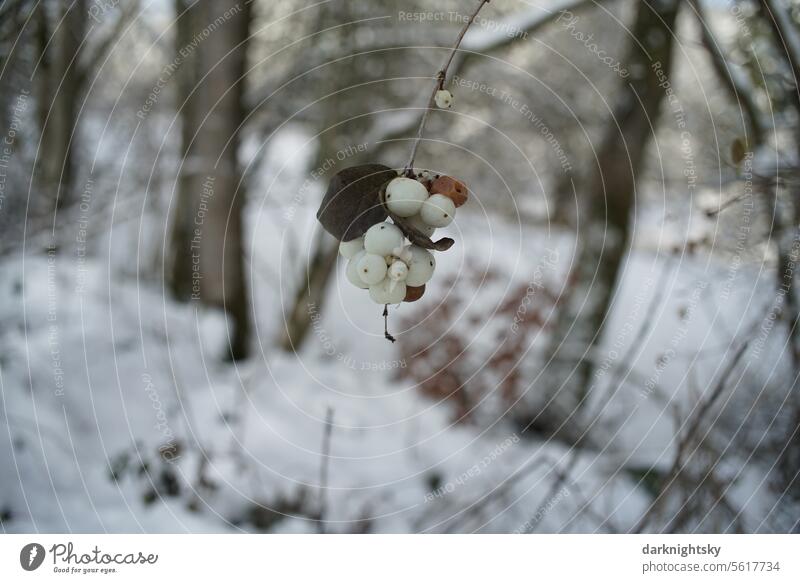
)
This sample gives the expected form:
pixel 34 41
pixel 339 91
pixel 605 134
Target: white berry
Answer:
pixel 382 239
pixel 420 225
pixel 371 268
pixel 444 99
pixel 403 254
pixel 438 211
pixel 388 292
pixel 349 248
pixel 352 271
pixel 405 196
pixel 397 271
pixel 421 266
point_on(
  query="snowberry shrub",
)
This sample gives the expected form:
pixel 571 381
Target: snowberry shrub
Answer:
pixel 384 221
pixel 361 197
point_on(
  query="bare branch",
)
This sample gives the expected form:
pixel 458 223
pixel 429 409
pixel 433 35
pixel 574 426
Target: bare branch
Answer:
pixel 785 37
pixel 678 466
pixel 439 84
pixel 324 469
pixel 106 44
pixel 740 93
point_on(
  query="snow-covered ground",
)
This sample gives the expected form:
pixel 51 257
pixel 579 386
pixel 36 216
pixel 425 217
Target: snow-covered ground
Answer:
pixel 102 375
pixel 119 413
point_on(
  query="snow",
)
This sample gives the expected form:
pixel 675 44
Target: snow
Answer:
pixel 121 416
pixel 140 370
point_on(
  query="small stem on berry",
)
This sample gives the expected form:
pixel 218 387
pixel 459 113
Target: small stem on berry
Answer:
pixel 386 334
pixel 441 76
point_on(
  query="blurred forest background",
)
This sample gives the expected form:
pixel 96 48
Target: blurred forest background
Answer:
pixel 612 344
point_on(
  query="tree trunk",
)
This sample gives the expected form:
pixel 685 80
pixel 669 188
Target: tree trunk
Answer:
pixel 58 105
pixel 310 296
pixel 188 18
pixel 207 236
pixel 784 230
pixel 43 78
pixel 603 238
pixel 13 63
pixel 311 290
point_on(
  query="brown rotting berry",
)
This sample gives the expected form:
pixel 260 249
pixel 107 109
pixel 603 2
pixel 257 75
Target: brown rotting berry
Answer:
pixel 414 293
pixel 453 189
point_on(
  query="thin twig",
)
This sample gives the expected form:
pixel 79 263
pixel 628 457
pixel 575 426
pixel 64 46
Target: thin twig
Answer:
pixel 324 468
pixel 694 422
pixel 475 507
pixel 584 505
pixel 440 79
pixel 386 334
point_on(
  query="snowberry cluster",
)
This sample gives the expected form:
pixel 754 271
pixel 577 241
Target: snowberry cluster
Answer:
pixel 383 260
